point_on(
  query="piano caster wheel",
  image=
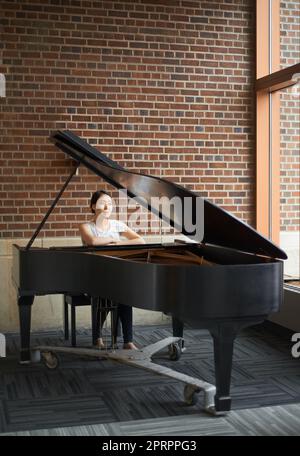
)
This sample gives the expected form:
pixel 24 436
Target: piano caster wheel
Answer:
pixel 50 359
pixel 175 351
pixel 190 394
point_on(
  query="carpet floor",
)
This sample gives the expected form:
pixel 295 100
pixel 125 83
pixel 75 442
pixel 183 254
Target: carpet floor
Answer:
pixel 89 392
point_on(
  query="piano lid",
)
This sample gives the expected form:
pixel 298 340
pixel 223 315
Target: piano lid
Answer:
pixel 220 227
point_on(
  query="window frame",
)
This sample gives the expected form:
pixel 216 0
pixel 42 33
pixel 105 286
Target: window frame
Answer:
pixel 270 79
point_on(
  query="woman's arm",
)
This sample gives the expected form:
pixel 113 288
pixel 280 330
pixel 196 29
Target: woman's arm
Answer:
pixel 132 238
pixel 89 239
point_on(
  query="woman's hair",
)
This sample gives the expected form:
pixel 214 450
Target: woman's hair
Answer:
pixel 95 196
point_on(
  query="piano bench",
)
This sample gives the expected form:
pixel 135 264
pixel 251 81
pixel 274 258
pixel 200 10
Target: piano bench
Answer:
pixel 73 301
pixel 86 300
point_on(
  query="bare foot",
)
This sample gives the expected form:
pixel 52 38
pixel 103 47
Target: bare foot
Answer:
pixel 130 346
pixel 100 344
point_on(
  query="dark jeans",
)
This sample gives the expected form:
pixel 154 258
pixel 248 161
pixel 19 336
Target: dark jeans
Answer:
pixel 124 314
pixel 177 327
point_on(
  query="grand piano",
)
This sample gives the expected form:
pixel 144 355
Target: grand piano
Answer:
pixel 228 278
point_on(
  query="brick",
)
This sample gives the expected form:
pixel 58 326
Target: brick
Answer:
pixel 162 87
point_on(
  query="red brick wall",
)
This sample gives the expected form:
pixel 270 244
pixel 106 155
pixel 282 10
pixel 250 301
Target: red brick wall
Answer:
pixel 163 87
pixel 290 119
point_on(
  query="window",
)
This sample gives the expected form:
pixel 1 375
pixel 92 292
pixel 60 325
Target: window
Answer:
pixel 278 126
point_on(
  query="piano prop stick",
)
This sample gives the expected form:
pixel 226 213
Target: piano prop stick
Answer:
pixel 230 279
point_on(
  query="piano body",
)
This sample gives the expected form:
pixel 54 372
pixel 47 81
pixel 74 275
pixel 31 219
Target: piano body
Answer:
pixel 232 279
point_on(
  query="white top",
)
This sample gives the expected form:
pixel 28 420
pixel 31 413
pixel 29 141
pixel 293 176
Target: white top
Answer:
pixel 114 229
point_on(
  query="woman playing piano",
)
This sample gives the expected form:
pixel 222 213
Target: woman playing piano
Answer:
pixel 102 230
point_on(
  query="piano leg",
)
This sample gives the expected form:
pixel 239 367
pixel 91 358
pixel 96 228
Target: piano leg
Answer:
pixel 25 303
pixel 223 337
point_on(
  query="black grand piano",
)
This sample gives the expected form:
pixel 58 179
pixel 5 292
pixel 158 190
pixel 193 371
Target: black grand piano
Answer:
pixel 230 279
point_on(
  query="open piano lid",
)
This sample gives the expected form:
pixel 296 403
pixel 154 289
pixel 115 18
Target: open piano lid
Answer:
pixel 220 227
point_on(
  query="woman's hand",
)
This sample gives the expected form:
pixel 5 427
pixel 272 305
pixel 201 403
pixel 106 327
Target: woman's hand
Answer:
pixel 132 238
